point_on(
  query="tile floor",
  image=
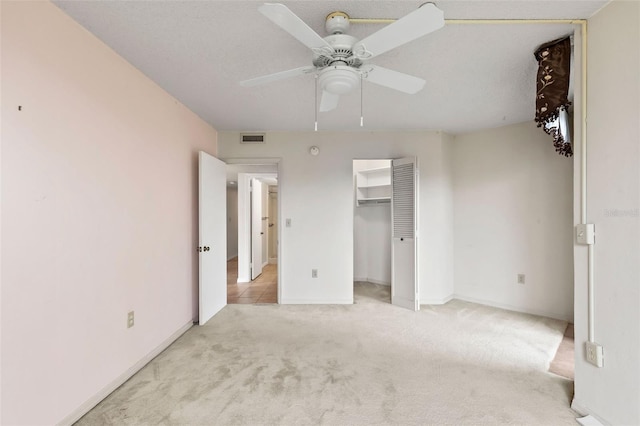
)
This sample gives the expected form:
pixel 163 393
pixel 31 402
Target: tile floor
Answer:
pixel 263 289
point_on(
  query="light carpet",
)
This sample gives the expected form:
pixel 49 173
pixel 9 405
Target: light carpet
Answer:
pixel 362 364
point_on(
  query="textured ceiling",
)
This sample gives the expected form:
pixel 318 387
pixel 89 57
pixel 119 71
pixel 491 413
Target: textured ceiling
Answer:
pixel 478 76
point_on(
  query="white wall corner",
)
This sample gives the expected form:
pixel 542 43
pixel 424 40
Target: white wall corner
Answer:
pixel 436 301
pixel 583 411
pixel 508 307
pixel 83 409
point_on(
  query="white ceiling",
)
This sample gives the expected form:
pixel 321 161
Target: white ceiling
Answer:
pixel 478 76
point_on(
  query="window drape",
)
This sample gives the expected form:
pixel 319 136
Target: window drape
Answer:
pixel 552 91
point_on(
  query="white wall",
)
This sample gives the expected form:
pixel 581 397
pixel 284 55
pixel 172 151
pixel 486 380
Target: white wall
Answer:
pixel 513 215
pixel 232 222
pixel 613 184
pixel 99 214
pixel 444 218
pixel 372 235
pixel 317 194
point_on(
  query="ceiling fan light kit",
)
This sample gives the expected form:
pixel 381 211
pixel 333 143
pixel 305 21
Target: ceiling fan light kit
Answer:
pixel 338 79
pixel 340 60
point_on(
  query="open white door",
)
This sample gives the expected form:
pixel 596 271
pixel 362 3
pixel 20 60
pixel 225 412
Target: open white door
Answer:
pixel 256 228
pixel 212 230
pixel 404 277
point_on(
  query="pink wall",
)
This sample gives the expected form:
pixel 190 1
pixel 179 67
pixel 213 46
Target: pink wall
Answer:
pixel 99 214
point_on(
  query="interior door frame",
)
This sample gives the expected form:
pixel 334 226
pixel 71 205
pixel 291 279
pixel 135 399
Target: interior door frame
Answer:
pixel 256 248
pixel 416 218
pixel 256 161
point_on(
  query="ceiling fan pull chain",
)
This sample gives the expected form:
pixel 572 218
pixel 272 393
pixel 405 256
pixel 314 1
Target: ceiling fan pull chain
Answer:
pixel 361 103
pixel 315 127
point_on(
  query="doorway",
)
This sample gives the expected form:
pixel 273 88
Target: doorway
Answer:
pixel 252 266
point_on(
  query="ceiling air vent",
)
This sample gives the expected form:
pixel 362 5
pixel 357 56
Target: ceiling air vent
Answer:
pixel 252 138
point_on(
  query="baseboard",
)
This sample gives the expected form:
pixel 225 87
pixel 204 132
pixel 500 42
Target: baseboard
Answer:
pixel 104 392
pixel 379 282
pixel 316 302
pixel 508 307
pixel 575 406
pixel 440 301
pixel 232 257
pixel 373 281
pixel 273 260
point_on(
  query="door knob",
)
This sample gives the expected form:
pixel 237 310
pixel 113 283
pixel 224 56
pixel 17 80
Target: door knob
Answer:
pixel 262 233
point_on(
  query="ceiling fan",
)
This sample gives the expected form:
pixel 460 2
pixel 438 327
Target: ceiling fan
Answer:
pixel 340 61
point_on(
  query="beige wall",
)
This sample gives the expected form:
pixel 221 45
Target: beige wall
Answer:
pixel 316 192
pixel 99 214
pixel 513 215
pixel 613 198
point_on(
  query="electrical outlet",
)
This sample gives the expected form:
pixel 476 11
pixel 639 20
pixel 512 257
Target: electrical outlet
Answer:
pixel 594 353
pixel 520 278
pixel 130 319
pixel 314 273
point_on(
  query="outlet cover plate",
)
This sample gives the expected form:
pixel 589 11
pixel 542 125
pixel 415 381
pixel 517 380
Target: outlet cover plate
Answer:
pixel 594 354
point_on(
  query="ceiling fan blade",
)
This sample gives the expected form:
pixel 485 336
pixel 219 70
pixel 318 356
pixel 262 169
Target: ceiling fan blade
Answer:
pixel 329 101
pixel 278 76
pixel 393 79
pixel 416 24
pixel 282 16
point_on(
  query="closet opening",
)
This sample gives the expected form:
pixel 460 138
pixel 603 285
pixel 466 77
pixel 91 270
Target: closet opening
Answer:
pixel 372 239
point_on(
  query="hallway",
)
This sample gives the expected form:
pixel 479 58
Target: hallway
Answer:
pixel 263 289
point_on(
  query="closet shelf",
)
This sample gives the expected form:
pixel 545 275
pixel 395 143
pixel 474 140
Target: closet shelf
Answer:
pixel 375 200
pixel 380 185
pixel 373 186
pixel 376 170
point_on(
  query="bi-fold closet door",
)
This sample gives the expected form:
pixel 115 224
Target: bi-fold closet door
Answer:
pixel 404 265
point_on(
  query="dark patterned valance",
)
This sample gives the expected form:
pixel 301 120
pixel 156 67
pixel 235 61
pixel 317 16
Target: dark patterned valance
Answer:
pixel 554 64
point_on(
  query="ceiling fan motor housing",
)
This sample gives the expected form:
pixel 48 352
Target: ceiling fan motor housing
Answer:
pixel 342 54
